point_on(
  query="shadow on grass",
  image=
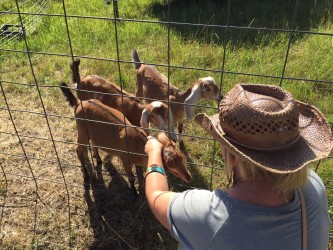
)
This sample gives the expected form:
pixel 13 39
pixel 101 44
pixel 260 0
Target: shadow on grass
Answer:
pixel 118 220
pixel 260 14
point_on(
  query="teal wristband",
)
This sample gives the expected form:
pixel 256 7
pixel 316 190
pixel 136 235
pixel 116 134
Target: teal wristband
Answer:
pixel 154 168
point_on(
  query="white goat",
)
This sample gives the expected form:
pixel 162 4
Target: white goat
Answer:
pixel 152 85
pixel 109 130
pixel 110 94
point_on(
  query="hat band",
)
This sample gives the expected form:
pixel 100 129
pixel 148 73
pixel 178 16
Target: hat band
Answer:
pixel 265 148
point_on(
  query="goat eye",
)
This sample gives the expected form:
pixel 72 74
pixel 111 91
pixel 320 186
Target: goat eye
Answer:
pixel 207 88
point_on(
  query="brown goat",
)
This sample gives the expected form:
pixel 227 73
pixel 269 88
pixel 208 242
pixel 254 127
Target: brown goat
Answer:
pixel 152 85
pixel 110 94
pixel 110 131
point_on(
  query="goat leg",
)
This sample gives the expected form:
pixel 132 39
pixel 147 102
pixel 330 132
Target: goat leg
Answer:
pixel 131 179
pixel 82 154
pixel 96 155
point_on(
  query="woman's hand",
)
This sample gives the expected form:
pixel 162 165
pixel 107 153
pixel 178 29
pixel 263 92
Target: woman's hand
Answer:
pixel 153 146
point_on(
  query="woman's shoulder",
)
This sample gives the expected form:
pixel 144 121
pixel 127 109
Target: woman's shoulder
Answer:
pixel 315 188
pixel 314 178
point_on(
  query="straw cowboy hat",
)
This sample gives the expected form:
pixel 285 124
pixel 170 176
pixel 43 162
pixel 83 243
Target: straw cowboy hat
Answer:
pixel 266 126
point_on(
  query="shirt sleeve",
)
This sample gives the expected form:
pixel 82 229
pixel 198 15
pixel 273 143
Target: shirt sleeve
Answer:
pixel 193 217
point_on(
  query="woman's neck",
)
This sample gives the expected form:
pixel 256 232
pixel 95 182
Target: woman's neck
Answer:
pixel 257 192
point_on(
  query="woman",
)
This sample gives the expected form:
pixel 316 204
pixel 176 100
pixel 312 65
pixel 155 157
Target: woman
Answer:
pixel 267 141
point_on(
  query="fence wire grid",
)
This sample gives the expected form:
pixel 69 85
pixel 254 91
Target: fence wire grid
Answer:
pixel 41 200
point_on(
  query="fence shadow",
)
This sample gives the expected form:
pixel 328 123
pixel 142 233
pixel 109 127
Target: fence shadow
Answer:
pixel 118 220
pixel 260 13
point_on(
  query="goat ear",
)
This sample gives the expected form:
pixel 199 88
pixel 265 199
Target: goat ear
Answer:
pixel 173 135
pixel 192 100
pixel 144 122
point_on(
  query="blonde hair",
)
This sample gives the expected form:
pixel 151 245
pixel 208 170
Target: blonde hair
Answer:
pixel 284 184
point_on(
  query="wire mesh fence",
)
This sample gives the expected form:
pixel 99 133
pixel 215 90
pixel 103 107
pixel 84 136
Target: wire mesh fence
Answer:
pixel 45 201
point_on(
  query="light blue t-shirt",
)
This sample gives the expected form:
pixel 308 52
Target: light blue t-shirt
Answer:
pixel 201 219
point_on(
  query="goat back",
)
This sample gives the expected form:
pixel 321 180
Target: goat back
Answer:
pixel 109 129
pixel 96 87
pixel 155 84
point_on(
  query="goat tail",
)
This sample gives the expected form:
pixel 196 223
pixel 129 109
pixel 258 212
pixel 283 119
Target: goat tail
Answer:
pixel 75 71
pixel 136 59
pixel 70 97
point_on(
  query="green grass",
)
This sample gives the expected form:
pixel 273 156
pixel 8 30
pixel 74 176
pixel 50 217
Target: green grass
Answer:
pixel 256 53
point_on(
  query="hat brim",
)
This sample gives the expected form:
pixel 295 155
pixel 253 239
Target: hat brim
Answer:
pixel 315 142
